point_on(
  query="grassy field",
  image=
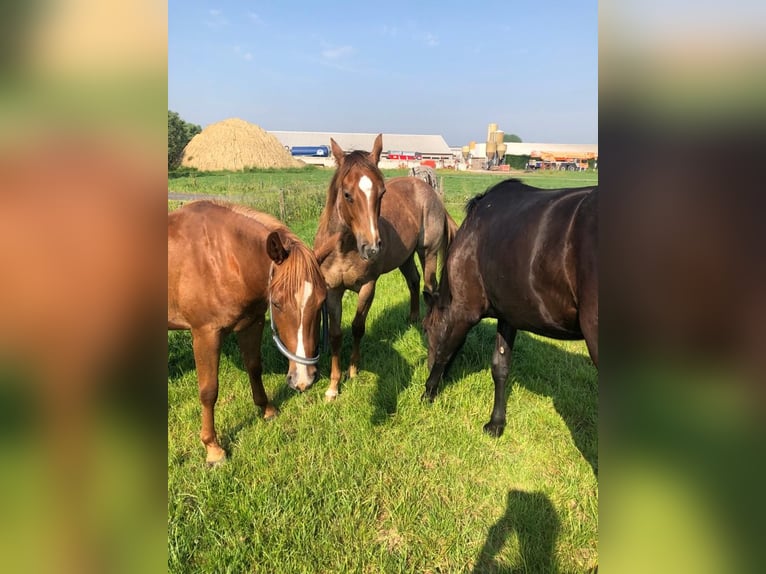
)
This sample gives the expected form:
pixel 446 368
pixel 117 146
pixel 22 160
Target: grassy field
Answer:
pixel 379 481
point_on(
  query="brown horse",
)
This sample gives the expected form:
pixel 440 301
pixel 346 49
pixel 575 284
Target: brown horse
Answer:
pixel 370 227
pixel 226 265
pixel 527 257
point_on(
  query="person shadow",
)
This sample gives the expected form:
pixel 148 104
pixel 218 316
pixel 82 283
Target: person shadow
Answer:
pixel 531 516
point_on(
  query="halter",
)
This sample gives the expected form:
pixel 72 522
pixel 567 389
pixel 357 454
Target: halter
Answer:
pixel 278 342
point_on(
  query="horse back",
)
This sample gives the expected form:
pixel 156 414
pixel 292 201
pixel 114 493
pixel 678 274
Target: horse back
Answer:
pixel 409 212
pixel 217 266
pixel 535 253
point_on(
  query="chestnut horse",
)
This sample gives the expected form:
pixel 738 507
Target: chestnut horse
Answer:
pixel 226 265
pixel 527 257
pixel 369 227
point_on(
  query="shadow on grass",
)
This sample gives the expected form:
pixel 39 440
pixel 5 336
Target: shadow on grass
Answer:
pixel 393 370
pixel 378 356
pixel 534 520
pixel 545 369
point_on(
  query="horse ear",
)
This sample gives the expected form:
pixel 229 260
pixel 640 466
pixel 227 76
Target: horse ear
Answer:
pixel 377 147
pixel 337 151
pixel 276 248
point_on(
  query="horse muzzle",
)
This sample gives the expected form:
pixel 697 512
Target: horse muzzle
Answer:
pixel 302 377
pixel 368 251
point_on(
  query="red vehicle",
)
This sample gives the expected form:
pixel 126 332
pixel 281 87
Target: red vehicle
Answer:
pixel 404 155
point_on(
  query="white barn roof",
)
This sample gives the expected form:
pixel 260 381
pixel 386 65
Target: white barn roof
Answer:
pixel 424 144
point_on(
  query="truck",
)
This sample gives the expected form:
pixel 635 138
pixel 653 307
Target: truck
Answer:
pixel 310 150
pixel 570 161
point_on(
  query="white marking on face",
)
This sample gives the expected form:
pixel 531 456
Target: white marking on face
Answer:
pixel 365 184
pixel 302 370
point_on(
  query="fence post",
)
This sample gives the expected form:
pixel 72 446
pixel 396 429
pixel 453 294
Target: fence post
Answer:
pixel 282 210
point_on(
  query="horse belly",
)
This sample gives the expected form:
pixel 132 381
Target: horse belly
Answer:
pixel 176 321
pixel 541 305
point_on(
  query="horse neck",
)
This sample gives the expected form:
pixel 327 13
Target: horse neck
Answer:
pixel 330 220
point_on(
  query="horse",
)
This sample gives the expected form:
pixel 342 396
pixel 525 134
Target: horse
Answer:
pixel 369 227
pixel 526 257
pixel 227 265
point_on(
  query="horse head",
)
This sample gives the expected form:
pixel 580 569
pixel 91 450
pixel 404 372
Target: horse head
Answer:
pixel 436 321
pixel 359 186
pixel 297 292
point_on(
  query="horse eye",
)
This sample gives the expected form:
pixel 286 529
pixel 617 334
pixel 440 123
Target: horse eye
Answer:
pixel 276 305
pixel 348 197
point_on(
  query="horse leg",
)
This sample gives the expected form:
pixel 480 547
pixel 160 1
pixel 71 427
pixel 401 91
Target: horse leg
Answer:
pixel 249 340
pixel 501 365
pixel 588 316
pixel 334 312
pixel 428 261
pixel 207 351
pixel 589 327
pixel 366 295
pixel 453 337
pixel 412 276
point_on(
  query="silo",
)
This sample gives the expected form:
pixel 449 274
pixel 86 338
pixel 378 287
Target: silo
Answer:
pixel 492 128
pixel 501 147
pixel 491 150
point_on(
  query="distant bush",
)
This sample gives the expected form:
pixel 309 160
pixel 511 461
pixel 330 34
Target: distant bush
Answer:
pixel 517 161
pixel 179 134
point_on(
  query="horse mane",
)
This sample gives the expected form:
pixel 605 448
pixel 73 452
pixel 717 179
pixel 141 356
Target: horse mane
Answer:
pixel 300 266
pixel 513 182
pixel 352 159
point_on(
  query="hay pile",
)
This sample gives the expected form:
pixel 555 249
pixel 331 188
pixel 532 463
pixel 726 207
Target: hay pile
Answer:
pixel 235 144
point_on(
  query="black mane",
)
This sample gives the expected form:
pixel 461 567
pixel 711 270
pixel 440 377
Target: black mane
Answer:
pixel 474 201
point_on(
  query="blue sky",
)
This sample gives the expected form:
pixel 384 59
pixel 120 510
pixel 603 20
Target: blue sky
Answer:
pixel 447 68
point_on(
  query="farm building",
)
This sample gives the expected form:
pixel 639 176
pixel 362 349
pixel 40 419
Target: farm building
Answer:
pixel 398 149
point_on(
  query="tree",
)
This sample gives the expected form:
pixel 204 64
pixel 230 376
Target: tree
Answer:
pixel 511 138
pixel 179 134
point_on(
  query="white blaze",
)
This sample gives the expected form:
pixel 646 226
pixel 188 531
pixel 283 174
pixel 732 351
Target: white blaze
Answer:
pixel 365 184
pixel 302 370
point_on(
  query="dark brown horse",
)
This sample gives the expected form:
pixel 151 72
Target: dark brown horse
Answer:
pixel 226 265
pixel 369 227
pixel 527 257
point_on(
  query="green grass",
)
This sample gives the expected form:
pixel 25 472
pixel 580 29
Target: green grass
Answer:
pixel 379 481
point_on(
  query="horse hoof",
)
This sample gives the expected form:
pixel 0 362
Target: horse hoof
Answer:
pixel 352 372
pixel 494 430
pixel 270 413
pixel 216 456
pixel 330 395
pixel 427 397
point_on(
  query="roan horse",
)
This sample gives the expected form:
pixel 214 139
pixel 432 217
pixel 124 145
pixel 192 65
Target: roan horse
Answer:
pixel 226 265
pixel 370 227
pixel 527 257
